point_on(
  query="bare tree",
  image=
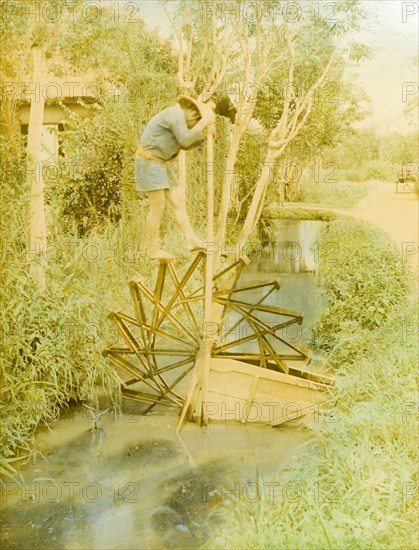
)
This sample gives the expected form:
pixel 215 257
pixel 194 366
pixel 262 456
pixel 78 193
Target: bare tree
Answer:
pixel 290 124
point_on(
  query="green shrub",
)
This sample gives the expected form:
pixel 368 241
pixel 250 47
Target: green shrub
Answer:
pixel 51 342
pixel 377 169
pixel 50 356
pixel 89 193
pixel 372 285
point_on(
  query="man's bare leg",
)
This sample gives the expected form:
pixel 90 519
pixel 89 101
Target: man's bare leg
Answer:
pixel 157 201
pixel 177 200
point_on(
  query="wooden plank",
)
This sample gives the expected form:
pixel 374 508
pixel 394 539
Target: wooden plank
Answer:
pixel 231 365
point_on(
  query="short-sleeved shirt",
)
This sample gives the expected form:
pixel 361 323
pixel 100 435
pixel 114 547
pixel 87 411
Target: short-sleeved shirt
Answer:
pixel 164 136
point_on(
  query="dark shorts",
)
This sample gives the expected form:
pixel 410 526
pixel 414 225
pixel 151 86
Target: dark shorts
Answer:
pixel 154 175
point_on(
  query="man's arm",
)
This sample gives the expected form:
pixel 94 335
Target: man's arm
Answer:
pixel 187 137
pixel 190 137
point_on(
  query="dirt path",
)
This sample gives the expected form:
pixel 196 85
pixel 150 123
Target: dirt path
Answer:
pixel 397 215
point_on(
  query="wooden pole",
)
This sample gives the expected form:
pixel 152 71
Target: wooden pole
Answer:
pixel 207 342
pixel 37 237
pixel 197 394
pixel 209 265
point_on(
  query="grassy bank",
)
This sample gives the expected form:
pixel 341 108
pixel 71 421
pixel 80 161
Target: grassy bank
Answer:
pixel 355 484
pixel 339 194
pixel 51 342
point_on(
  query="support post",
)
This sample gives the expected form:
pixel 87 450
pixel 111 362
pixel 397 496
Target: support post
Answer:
pixel 209 272
pixel 197 394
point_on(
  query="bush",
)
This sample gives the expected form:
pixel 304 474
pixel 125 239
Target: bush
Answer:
pixel 372 282
pixel 373 170
pixel 90 192
pixel 49 356
pixel 50 345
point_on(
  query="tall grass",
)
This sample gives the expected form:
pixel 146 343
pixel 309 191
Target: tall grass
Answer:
pixel 51 342
pixel 355 483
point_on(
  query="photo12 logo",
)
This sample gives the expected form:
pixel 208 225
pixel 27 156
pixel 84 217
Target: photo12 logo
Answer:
pixel 53 11
pixel 271 491
pixel 248 11
pixel 53 491
pixel 409 10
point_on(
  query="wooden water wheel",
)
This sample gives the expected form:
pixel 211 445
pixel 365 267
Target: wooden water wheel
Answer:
pixel 162 337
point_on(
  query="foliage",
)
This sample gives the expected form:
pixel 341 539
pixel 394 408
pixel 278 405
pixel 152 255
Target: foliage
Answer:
pixel 373 280
pixel 360 147
pixel 51 343
pixel 48 359
pixel 335 105
pixel 247 171
pixel 373 170
pixel 89 187
pixel 399 149
pixel 351 485
pixel 364 155
pixel 134 48
pixel 135 71
pixel 338 194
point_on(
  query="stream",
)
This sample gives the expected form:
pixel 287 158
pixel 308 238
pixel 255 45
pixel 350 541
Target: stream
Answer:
pixel 107 478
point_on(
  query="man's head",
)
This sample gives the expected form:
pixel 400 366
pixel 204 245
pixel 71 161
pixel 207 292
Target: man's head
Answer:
pixel 191 109
pixel 192 116
pixel 221 105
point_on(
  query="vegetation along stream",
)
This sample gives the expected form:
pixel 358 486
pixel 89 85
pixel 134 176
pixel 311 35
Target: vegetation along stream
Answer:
pixel 117 479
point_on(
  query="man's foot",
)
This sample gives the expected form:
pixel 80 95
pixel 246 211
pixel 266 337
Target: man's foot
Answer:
pixel 196 245
pixel 202 247
pixel 160 254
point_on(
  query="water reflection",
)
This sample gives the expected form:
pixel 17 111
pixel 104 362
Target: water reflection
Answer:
pixel 294 248
pixel 292 256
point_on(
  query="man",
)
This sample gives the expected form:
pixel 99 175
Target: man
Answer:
pixel 178 127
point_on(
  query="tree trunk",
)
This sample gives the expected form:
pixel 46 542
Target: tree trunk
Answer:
pixel 37 240
pixel 255 209
pixel 226 189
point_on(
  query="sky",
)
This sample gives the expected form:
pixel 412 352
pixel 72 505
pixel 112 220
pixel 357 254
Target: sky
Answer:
pixel 394 39
pixel 393 35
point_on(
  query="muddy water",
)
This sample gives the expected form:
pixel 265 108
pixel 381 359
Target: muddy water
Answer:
pixel 123 480
pixel 132 483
